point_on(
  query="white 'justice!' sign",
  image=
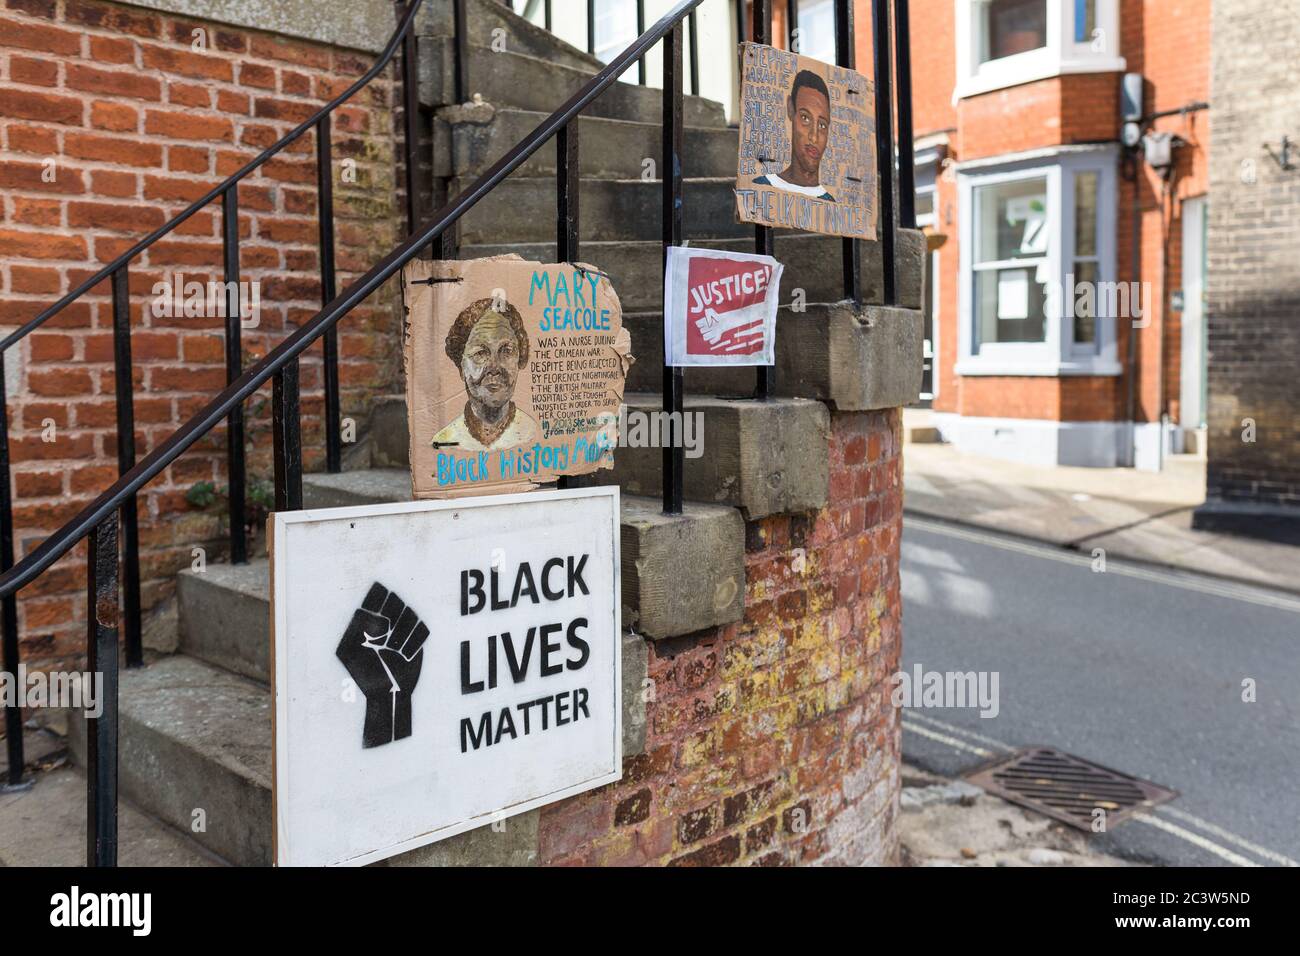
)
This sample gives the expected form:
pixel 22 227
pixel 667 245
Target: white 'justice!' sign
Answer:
pixel 440 665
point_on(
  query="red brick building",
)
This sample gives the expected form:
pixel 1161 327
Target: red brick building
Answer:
pixel 1042 219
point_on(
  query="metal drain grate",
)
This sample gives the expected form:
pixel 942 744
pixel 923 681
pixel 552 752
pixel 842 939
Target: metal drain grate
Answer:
pixel 1068 788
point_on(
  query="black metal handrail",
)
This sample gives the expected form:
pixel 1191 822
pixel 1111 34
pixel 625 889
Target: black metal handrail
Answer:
pixel 255 376
pixel 99 521
pixel 117 273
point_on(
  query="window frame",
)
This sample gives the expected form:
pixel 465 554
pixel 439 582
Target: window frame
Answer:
pixel 1061 55
pixel 1058 354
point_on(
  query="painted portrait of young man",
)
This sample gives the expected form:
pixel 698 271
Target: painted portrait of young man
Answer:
pixel 808 108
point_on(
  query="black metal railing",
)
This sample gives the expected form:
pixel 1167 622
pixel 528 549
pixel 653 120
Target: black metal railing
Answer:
pixel 105 518
pixel 285 418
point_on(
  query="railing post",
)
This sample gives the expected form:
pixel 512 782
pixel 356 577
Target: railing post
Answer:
pixel 695 54
pixel 845 55
pixel 123 376
pixel 792 25
pixel 591 27
pixel 101 660
pixel 286 438
pixel 9 607
pixel 460 24
pixel 234 368
pixel 411 106
pixel 903 77
pixel 884 146
pixel 328 289
pixel 547 14
pixel 567 175
pixel 640 29
pixel 741 33
pixel 764 239
pixel 674 453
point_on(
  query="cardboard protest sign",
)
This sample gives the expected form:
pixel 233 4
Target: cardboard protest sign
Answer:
pixel 720 307
pixel 439 666
pixel 807 145
pixel 514 373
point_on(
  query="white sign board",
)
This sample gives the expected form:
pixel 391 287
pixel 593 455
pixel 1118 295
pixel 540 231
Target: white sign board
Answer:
pixel 440 665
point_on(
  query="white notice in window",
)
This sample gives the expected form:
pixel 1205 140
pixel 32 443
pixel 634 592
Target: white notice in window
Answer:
pixel 1013 294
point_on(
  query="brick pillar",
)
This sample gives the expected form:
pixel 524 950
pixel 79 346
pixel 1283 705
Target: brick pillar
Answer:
pixel 772 741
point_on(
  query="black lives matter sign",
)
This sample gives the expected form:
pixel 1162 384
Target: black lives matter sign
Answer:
pixel 439 666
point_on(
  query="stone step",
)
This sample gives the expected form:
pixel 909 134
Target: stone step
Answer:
pixel 46 826
pixel 516 80
pixel 762 457
pixel 225 610
pixel 608 148
pixel 860 359
pixel 610 209
pixel 196 745
pixel 812 264
pixel 195 751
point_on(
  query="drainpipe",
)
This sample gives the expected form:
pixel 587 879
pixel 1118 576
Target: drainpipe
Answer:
pixel 1134 267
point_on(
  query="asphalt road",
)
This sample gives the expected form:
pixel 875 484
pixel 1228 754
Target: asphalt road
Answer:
pixel 1135 668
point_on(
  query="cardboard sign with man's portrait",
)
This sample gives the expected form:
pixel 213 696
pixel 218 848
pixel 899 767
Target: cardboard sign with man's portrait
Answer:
pixel 514 373
pixel 807 145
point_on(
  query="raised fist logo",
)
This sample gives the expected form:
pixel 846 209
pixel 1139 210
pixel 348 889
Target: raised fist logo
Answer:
pixel 383 652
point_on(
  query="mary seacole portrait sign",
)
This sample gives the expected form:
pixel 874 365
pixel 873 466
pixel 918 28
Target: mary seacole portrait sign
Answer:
pixel 514 373
pixel 807 145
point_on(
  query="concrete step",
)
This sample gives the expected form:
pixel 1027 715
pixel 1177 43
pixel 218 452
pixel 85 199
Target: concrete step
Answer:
pixel 196 745
pixel 812 264
pixel 609 209
pixel 225 610
pixel 762 457
pixel 859 359
pixel 46 826
pixel 195 752
pixel 516 80
pixel 609 148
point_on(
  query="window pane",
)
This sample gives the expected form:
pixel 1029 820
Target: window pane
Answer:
pixel 615 29
pixel 1009 304
pixel 1085 303
pixel 1085 20
pixel 817 29
pixel 1012 220
pixel 1013 26
pixel 925 203
pixel 1085 214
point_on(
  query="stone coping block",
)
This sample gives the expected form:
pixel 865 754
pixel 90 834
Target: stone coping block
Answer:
pixel 762 457
pixel 860 359
pixel 681 573
pixel 709 540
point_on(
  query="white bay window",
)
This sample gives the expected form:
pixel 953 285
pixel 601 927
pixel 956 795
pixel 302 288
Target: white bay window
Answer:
pixel 1037 292
pixel 1003 43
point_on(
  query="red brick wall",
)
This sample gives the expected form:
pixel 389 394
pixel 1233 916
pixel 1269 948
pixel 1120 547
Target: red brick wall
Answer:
pixel 1170 44
pixel 135 123
pixel 773 741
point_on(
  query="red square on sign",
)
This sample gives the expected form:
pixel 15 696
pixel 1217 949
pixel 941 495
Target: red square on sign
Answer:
pixel 725 307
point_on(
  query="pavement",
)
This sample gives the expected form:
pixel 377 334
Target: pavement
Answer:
pixel 44 822
pixel 1135 515
pixel 951 823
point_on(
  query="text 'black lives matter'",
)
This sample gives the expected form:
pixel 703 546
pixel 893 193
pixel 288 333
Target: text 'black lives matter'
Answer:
pixel 544 651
